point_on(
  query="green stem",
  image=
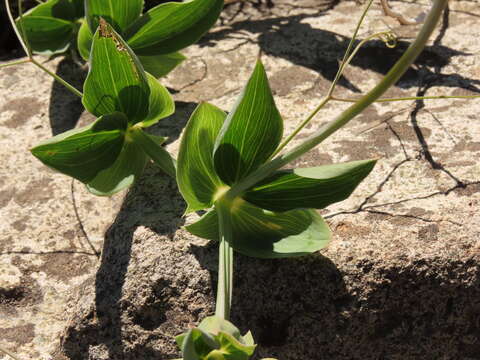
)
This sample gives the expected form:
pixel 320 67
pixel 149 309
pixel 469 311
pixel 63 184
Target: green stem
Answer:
pixel 72 89
pixel 18 62
pixel 413 98
pixel 328 129
pixel 347 57
pixel 8 353
pixel 15 28
pixel 157 153
pixel 225 263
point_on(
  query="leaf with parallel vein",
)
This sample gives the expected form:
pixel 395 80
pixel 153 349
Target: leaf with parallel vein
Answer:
pixel 119 13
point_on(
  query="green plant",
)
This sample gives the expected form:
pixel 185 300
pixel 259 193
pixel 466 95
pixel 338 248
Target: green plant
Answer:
pixel 54 26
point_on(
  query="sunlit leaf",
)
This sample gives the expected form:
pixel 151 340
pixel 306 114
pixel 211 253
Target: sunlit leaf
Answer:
pixel 172 26
pixel 84 41
pixel 161 65
pixel 265 234
pixel 251 132
pixel 122 173
pixel 119 13
pixel 116 80
pixel 160 102
pixel 315 187
pixel 196 175
pixel 83 153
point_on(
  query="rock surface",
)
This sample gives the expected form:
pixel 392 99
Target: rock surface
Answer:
pixel 401 278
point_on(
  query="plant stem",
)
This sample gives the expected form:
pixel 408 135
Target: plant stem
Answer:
pixel 395 73
pixel 26 47
pixel 18 62
pixel 8 353
pixel 412 98
pixel 225 263
pixel 345 61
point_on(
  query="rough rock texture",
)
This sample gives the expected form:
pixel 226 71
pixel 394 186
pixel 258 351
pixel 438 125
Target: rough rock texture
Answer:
pixel 400 280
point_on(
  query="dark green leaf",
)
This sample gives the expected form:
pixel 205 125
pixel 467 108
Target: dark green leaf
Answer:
pixel 315 187
pixel 123 173
pixel 196 175
pixel 47 35
pixel 172 26
pixel 160 102
pixel 251 132
pixel 116 80
pixel 60 9
pixel 83 153
pixel 264 234
pixel 84 41
pixel 119 13
pixel 161 65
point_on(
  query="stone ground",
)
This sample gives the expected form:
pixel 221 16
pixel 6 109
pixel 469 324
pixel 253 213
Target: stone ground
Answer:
pixel 401 278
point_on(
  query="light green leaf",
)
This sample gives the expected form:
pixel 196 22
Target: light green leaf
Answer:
pixel 161 65
pixel 83 153
pixel 172 26
pixel 233 348
pixel 251 132
pixel 119 13
pixel 47 35
pixel 116 80
pixel 122 173
pixel 84 40
pixel 196 177
pixel 315 187
pixel 160 102
pixel 265 234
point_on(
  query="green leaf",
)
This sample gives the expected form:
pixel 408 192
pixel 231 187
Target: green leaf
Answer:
pixel 265 234
pixel 119 13
pixel 83 153
pixel 251 132
pixel 84 41
pixel 161 65
pixel 47 35
pixel 116 80
pixel 60 9
pixel 196 177
pixel 160 102
pixel 315 187
pixel 122 173
pixel 233 348
pixel 172 26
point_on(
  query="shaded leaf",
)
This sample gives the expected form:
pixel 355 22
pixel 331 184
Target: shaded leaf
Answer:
pixel 119 13
pixel 116 80
pixel 47 35
pixel 196 175
pixel 172 26
pixel 127 168
pixel 315 187
pixel 251 132
pixel 60 9
pixel 83 153
pixel 161 65
pixel 160 102
pixel 264 234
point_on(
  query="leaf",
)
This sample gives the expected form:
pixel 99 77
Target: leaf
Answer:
pixel 315 187
pixel 196 177
pixel 60 9
pixel 122 173
pixel 160 102
pixel 47 35
pixel 116 80
pixel 161 65
pixel 84 41
pixel 83 153
pixel 264 234
pixel 232 348
pixel 119 13
pixel 172 26
pixel 251 132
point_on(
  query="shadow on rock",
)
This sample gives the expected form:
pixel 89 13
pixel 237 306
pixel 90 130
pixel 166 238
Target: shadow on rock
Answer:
pixel 66 108
pixel 149 204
